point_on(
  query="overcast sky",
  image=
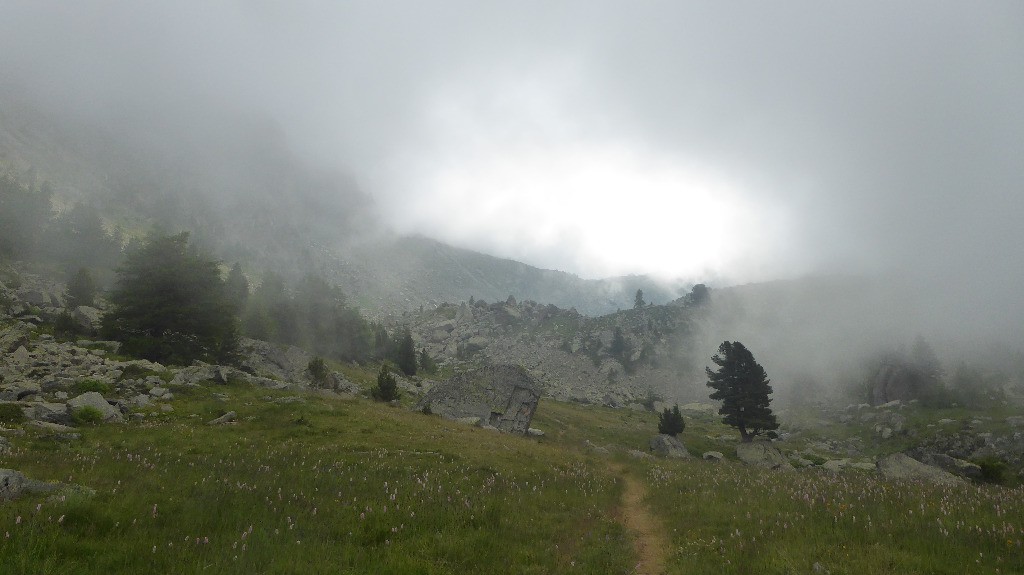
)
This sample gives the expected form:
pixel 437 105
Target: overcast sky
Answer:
pixel 731 141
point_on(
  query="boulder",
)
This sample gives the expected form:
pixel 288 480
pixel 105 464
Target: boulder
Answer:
pixel 50 412
pixel 194 374
pixel 762 454
pixel 226 418
pixel 95 400
pixel 13 484
pixel 712 456
pixel 902 466
pixel 282 362
pixel 951 464
pixel 667 446
pixel 503 396
pixel 88 318
pixel 20 357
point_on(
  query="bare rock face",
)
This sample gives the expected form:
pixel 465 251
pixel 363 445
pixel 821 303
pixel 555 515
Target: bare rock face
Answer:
pixel 502 396
pixel 762 454
pixel 902 466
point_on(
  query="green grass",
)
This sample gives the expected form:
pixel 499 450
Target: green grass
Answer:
pixel 747 521
pixel 325 486
pixel 332 485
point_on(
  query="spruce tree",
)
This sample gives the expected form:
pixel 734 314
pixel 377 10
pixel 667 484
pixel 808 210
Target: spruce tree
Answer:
pixel 638 301
pixel 169 305
pixel 743 387
pixel 405 353
pixel 386 388
pixel 670 422
pixel 81 289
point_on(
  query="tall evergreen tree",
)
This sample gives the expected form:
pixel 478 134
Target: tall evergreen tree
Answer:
pixel 237 287
pixel 742 386
pixel 638 301
pixel 81 289
pixel 169 305
pixel 405 353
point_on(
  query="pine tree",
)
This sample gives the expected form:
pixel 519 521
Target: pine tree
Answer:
pixel 386 388
pixel 237 287
pixel 638 301
pixel 169 305
pixel 744 389
pixel 81 289
pixel 670 422
pixel 405 353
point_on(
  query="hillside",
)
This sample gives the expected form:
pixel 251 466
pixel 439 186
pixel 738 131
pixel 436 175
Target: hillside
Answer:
pixel 236 185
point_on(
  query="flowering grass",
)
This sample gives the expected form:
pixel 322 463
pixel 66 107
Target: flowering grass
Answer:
pixel 314 484
pixel 322 486
pixel 729 518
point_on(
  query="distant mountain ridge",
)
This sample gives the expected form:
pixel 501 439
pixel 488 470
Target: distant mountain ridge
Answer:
pixel 234 183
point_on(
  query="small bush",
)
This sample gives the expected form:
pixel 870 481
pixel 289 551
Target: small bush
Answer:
pixel 670 422
pixel 993 470
pixel 386 388
pixel 318 371
pixel 11 414
pixel 87 415
pixel 87 385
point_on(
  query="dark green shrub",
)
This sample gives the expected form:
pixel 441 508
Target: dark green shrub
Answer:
pixel 386 388
pixel 87 385
pixel 993 470
pixel 11 414
pixel 87 415
pixel 670 422
pixel 318 371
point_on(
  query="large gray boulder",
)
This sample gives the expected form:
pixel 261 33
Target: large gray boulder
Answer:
pixel 762 454
pixel 668 446
pixel 502 396
pixel 13 484
pixel 88 318
pixel 50 412
pixel 946 463
pixel 902 466
pixel 281 362
pixel 95 400
pixel 14 337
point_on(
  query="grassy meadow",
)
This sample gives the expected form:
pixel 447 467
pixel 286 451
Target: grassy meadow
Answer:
pixel 314 484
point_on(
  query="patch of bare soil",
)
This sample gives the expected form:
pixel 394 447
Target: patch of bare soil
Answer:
pixel 649 537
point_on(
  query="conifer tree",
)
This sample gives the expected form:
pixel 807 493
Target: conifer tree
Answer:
pixel 744 389
pixel 405 353
pixel 670 422
pixel 169 305
pixel 386 388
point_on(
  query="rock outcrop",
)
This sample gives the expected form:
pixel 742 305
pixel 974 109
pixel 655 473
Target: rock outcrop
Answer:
pixel 668 446
pixel 502 396
pixel 902 466
pixel 762 454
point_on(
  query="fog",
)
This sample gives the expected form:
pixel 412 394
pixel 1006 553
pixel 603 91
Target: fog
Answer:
pixel 725 143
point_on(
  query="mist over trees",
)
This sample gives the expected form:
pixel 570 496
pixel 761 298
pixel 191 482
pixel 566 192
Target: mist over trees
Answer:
pixel 169 305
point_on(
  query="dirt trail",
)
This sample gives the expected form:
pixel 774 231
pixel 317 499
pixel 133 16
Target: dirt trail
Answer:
pixel 650 540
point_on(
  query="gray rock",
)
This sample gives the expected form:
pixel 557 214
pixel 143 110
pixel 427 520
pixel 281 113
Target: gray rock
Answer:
pixel 95 400
pixel 20 357
pixel 13 484
pixel 226 418
pixel 637 454
pixel 50 427
pixel 503 396
pixel 762 454
pixel 88 318
pixel 902 466
pixel 1015 421
pixel 712 456
pixel 193 375
pixel 668 446
pixel 951 464
pixel 281 362
pixel 534 432
pixel 158 391
pixel 51 412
